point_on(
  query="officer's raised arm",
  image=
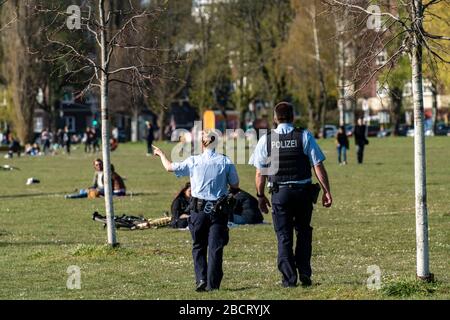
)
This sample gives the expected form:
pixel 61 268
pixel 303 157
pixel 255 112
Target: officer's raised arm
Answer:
pixel 166 162
pixel 210 174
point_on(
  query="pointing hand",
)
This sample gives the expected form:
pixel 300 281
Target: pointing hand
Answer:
pixel 157 151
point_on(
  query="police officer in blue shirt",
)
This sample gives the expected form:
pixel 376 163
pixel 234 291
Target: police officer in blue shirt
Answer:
pixel 210 175
pixel 285 157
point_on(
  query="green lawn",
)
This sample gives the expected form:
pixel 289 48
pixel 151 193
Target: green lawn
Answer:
pixel 371 223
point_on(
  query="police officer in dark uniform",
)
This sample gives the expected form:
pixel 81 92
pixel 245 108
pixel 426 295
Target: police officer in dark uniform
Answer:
pixel 285 157
pixel 210 174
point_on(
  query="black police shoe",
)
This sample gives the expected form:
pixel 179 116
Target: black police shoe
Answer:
pixel 305 280
pixel 289 285
pixel 201 286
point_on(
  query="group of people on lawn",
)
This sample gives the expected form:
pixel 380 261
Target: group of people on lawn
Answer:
pixel 246 206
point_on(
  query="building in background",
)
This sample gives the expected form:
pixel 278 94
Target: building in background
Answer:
pixel 182 116
pixel 379 105
pixel 77 113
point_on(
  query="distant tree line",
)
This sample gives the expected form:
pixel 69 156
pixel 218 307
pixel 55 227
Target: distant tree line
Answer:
pixel 318 54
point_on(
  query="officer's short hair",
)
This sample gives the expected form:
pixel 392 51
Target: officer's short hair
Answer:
pixel 209 138
pixel 284 112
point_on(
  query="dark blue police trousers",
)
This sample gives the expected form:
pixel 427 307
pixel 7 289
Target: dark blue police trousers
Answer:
pixel 210 235
pixel 292 209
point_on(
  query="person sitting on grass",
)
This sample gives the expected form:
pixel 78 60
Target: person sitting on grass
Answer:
pixel 14 147
pixel 114 144
pixel 32 150
pixel 98 187
pixel 246 210
pixel 119 188
pixel 180 208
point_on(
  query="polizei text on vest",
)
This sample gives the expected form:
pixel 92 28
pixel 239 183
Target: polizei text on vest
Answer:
pixel 284 144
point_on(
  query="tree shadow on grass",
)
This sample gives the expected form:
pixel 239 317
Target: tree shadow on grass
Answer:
pixel 33 195
pixel 240 289
pixel 29 195
pixel 4 232
pixel 35 243
pixel 140 194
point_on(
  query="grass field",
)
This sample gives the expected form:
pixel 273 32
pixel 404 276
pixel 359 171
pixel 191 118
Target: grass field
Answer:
pixel 372 222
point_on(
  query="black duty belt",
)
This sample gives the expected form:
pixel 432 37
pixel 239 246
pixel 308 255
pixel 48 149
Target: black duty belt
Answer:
pixel 297 186
pixel 294 185
pixel 199 205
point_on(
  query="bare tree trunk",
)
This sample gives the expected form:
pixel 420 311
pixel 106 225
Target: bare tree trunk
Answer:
pixel 340 26
pixel 23 75
pixel 323 90
pixel 423 270
pixel 311 121
pixel 24 106
pixel 135 126
pixel 434 106
pixel 105 130
pixel 396 95
pixel 162 123
pixel 204 50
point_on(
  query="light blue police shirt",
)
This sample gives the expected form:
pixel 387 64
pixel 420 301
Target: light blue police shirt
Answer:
pixel 210 174
pixel 259 158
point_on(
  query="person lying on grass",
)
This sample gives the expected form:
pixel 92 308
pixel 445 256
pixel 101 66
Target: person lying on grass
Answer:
pixel 180 208
pixel 98 187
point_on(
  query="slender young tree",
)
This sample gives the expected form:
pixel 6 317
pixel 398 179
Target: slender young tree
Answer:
pixel 423 264
pixel 340 22
pixel 405 20
pixel 96 18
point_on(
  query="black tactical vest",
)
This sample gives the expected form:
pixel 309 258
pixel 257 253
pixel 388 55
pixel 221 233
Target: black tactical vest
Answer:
pixel 292 162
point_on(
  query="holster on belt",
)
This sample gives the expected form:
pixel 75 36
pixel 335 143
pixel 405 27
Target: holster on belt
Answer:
pixel 197 205
pixel 274 188
pixel 225 205
pixel 315 191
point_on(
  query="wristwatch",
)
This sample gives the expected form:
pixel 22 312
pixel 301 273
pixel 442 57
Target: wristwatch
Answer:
pixel 260 195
